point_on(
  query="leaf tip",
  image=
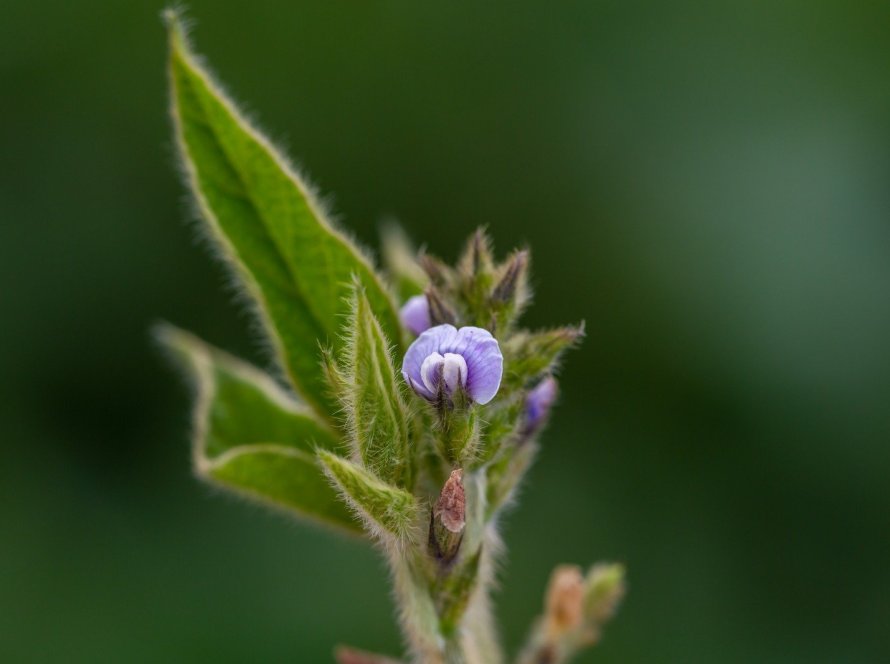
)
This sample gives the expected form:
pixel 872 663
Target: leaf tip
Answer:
pixel 178 26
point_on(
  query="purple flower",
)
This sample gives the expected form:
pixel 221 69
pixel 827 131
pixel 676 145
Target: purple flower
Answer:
pixel 415 314
pixel 467 359
pixel 538 403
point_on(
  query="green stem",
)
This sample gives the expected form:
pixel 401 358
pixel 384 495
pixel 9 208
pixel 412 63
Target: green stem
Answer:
pixel 446 611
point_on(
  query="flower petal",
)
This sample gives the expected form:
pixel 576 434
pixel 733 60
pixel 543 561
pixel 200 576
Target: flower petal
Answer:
pixel 478 350
pixel 424 346
pixel 485 363
pixel 454 372
pixel 431 371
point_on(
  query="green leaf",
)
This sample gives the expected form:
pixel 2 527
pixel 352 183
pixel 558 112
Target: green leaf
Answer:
pixel 400 259
pixel 378 416
pixel 282 476
pixel 269 226
pixel 386 509
pixel 251 436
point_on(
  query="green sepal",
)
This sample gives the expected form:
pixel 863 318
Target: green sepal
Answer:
pixel 510 294
pixel 372 399
pixel 505 473
pixel 251 436
pixel 476 272
pixel 501 428
pixel 528 355
pixel 269 226
pixel 459 428
pixel 385 509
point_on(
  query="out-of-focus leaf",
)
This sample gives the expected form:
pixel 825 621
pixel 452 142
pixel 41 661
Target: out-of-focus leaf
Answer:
pixel 251 436
pixel 400 259
pixel 269 226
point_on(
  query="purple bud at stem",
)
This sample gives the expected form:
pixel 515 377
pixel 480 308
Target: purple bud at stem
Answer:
pixel 538 404
pixel 415 314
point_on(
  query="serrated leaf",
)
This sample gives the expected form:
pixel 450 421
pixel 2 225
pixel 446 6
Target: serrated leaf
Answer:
pixel 251 436
pixel 378 416
pixel 387 510
pixel 295 266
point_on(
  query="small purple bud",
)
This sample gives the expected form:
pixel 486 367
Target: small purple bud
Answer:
pixel 538 403
pixel 468 359
pixel 415 314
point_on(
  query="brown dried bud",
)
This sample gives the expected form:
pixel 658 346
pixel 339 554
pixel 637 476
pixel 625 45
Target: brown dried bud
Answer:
pixel 564 605
pixel 451 507
pixel 448 519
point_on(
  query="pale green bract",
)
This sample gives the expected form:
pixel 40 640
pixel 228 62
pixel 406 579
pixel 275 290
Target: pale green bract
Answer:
pixel 332 433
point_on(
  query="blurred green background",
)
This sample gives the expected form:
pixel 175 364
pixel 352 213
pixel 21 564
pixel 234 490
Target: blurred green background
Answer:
pixel 706 184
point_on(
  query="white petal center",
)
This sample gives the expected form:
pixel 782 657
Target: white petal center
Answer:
pixel 431 370
pixel 454 372
pixel 450 368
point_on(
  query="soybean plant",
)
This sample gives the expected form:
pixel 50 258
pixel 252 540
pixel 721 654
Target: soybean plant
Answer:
pixel 402 405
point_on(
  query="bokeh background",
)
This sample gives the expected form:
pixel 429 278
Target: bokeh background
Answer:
pixel 706 184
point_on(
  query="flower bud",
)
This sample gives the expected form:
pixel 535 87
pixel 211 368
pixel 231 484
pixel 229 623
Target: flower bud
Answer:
pixel 438 272
pixel 538 404
pixel 603 590
pixel 438 311
pixel 415 314
pixel 512 280
pixel 448 518
pixel 477 257
pixel 564 602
